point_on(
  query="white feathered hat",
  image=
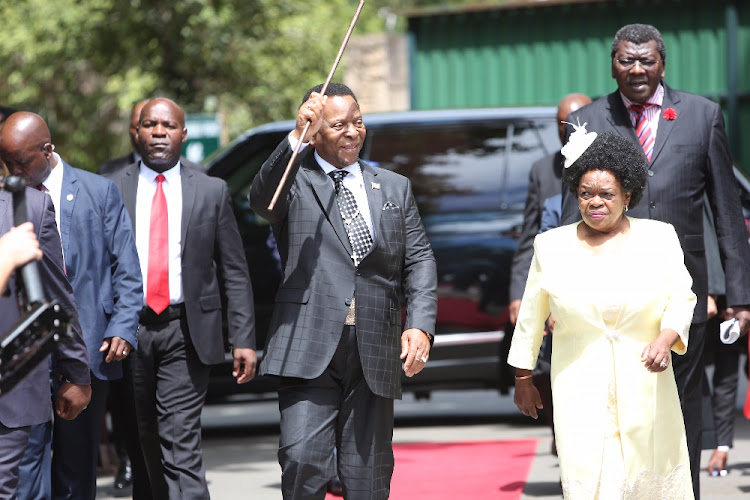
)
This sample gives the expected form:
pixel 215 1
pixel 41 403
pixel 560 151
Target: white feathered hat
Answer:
pixel 578 142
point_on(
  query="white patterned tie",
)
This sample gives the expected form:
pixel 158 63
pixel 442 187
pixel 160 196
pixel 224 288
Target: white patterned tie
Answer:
pixel 356 227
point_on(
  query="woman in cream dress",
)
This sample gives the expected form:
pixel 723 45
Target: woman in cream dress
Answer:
pixel 621 297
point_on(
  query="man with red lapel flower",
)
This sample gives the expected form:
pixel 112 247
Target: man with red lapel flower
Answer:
pixel 683 138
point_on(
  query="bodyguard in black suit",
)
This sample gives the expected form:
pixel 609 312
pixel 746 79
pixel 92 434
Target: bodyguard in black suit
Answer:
pixel 353 252
pixel 545 181
pixel 111 166
pixel 181 324
pixel 29 403
pixel 689 158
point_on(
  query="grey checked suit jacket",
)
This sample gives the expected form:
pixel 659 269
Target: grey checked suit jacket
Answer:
pixel 691 157
pixel 319 277
pixel 213 262
pixel 29 402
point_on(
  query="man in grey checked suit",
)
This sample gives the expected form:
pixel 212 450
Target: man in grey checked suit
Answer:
pixel 336 338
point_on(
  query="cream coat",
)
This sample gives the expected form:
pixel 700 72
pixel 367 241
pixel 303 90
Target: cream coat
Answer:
pixel 599 383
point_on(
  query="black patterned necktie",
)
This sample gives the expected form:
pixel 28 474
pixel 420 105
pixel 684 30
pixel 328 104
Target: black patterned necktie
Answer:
pixel 356 227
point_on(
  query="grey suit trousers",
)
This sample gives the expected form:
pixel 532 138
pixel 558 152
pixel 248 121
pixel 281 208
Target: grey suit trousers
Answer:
pixel 336 409
pixel 169 386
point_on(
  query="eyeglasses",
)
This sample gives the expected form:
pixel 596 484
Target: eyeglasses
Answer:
pixel 629 63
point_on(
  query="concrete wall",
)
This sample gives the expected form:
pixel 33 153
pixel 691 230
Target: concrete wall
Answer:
pixel 377 70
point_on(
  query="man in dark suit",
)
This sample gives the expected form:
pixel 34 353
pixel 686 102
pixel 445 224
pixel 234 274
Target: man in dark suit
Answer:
pixel 683 138
pixel 545 181
pixel 29 403
pixel 191 259
pixel 354 252
pixel 102 266
pixel 111 166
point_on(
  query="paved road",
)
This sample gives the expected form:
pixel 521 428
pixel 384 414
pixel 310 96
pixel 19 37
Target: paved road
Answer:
pixel 240 441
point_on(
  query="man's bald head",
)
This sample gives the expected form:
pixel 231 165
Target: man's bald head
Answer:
pixel 568 104
pixel 135 118
pixel 161 132
pixel 26 147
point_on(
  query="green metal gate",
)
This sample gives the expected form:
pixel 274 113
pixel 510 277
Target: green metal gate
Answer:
pixel 533 53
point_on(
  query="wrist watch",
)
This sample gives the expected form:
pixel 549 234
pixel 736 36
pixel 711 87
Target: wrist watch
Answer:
pixel 429 336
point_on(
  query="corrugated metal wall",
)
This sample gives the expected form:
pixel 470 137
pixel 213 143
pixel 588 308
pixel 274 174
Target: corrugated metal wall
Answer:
pixel 535 55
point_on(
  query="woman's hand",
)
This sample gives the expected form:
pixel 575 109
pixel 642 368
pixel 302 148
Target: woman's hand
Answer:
pixel 657 355
pixel 527 398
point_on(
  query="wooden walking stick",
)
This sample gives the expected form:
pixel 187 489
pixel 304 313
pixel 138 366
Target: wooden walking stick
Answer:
pixel 322 92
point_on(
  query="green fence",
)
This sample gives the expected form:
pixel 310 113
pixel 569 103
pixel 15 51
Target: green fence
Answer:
pixel 536 53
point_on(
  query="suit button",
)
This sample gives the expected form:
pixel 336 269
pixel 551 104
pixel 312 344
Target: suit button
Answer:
pixel 348 302
pixel 650 173
pixel 652 204
pixel 359 273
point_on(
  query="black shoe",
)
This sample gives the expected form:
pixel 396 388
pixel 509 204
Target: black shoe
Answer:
pixel 335 487
pixel 124 477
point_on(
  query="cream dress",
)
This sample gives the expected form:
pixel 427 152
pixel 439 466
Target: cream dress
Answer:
pixel 618 427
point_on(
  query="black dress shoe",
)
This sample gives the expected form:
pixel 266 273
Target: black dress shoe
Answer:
pixel 335 487
pixel 124 477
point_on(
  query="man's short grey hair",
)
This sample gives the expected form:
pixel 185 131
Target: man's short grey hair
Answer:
pixel 639 34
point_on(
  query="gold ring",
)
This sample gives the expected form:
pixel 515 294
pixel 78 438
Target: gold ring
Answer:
pixel 124 352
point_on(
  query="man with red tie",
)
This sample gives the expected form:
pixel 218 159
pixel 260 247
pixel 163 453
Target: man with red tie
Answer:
pixel 191 257
pixel 682 136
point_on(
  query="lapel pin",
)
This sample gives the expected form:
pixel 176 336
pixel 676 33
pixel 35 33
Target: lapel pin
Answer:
pixel 69 197
pixel 376 185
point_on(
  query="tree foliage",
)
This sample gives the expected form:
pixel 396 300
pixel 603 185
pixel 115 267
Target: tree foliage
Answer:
pixel 82 63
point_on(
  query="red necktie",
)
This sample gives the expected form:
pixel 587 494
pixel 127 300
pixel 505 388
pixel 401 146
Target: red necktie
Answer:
pixel 157 293
pixel 41 188
pixel 643 130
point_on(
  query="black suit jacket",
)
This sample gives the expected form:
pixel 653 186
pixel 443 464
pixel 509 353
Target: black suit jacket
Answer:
pixel 690 158
pixel 29 402
pixel 545 180
pixel 111 166
pixel 319 277
pixel 213 262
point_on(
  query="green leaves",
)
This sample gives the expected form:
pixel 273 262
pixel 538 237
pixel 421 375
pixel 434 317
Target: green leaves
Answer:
pixel 81 64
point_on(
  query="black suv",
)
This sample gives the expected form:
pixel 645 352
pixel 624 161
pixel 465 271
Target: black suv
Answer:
pixel 469 170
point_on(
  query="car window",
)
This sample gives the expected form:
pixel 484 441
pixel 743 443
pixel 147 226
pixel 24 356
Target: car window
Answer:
pixel 452 168
pixel 531 141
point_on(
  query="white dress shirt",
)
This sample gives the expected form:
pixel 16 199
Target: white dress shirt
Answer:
pixel 172 187
pixel 652 112
pixel 354 182
pixel 53 185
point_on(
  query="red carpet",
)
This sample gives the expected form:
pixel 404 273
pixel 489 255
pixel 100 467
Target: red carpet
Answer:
pixel 481 470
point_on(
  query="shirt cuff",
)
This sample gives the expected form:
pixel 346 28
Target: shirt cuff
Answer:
pixel 293 143
pixel 723 448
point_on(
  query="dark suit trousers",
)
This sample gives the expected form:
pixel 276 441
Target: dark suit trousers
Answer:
pixel 12 445
pixel 75 448
pixel 688 372
pixel 719 429
pixel 169 385
pixel 121 403
pixel 336 409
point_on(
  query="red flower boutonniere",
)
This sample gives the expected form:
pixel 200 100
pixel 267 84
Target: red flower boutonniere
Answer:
pixel 670 114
